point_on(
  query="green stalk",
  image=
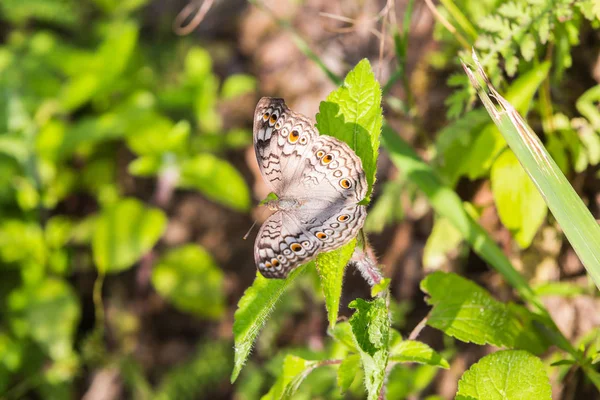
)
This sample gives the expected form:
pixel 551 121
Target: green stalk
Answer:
pixel 461 19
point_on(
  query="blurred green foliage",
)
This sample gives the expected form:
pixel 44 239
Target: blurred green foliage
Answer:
pixel 84 86
pixel 71 101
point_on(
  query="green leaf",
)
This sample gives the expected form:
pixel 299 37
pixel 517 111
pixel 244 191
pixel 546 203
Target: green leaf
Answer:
pixel 342 333
pixel 331 267
pixel 198 65
pixel 190 279
pixel 403 382
pixel 370 326
pixel 49 313
pixel 412 351
pixel 124 232
pixel 295 369
pixel 443 239
pixel 564 289
pixel 506 375
pixel 387 209
pixel 448 204
pixel 352 113
pixel 575 219
pixel 253 309
pixel 217 179
pixel 205 370
pixel 348 371
pixel 238 85
pixel 380 287
pixel 520 206
pixel 108 63
pixel 490 142
pixel 466 311
pixel 21 241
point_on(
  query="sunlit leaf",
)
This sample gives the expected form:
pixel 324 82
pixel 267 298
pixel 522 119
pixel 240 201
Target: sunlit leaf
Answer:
pixel 253 310
pixel 295 369
pixel 412 351
pixel 124 232
pixel 47 312
pixel 217 179
pixel 331 267
pixel 505 375
pixel 520 206
pixel 352 113
pixel 464 310
pixel 370 326
pixel 237 85
pixel 349 369
pixel 189 278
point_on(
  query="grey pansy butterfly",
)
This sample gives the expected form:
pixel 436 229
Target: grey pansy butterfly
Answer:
pixel 318 181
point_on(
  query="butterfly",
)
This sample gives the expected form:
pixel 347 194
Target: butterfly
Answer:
pixel 318 181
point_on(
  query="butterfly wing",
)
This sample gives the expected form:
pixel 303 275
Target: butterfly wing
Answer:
pixel 331 171
pixel 281 245
pixel 281 137
pixel 288 239
pixel 320 175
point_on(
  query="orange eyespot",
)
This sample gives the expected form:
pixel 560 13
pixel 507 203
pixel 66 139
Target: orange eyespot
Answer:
pixel 275 262
pixel 266 116
pixel 268 265
pixel 320 153
pixel 273 119
pixel 346 183
pixel 343 218
pixel 296 247
pixel 327 159
pixel 303 140
pixel 321 235
pixel 293 138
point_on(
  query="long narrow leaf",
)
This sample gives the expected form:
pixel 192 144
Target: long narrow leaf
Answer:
pixel 580 227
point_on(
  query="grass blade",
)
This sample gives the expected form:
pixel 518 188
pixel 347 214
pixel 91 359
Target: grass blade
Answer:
pixel 580 227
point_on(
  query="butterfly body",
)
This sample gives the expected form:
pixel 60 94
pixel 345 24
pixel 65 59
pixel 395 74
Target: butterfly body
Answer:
pixel 318 180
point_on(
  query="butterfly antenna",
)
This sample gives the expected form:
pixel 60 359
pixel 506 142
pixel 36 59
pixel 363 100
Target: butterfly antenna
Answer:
pixel 249 230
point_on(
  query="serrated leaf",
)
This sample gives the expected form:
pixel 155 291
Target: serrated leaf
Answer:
pixel 520 206
pixel 506 375
pixel 371 325
pixel 352 113
pixel 466 311
pixel 528 47
pixel 331 267
pixel 124 232
pixel 348 371
pixel 407 351
pixel 190 279
pixel 295 369
pixel 253 309
pixel 217 179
